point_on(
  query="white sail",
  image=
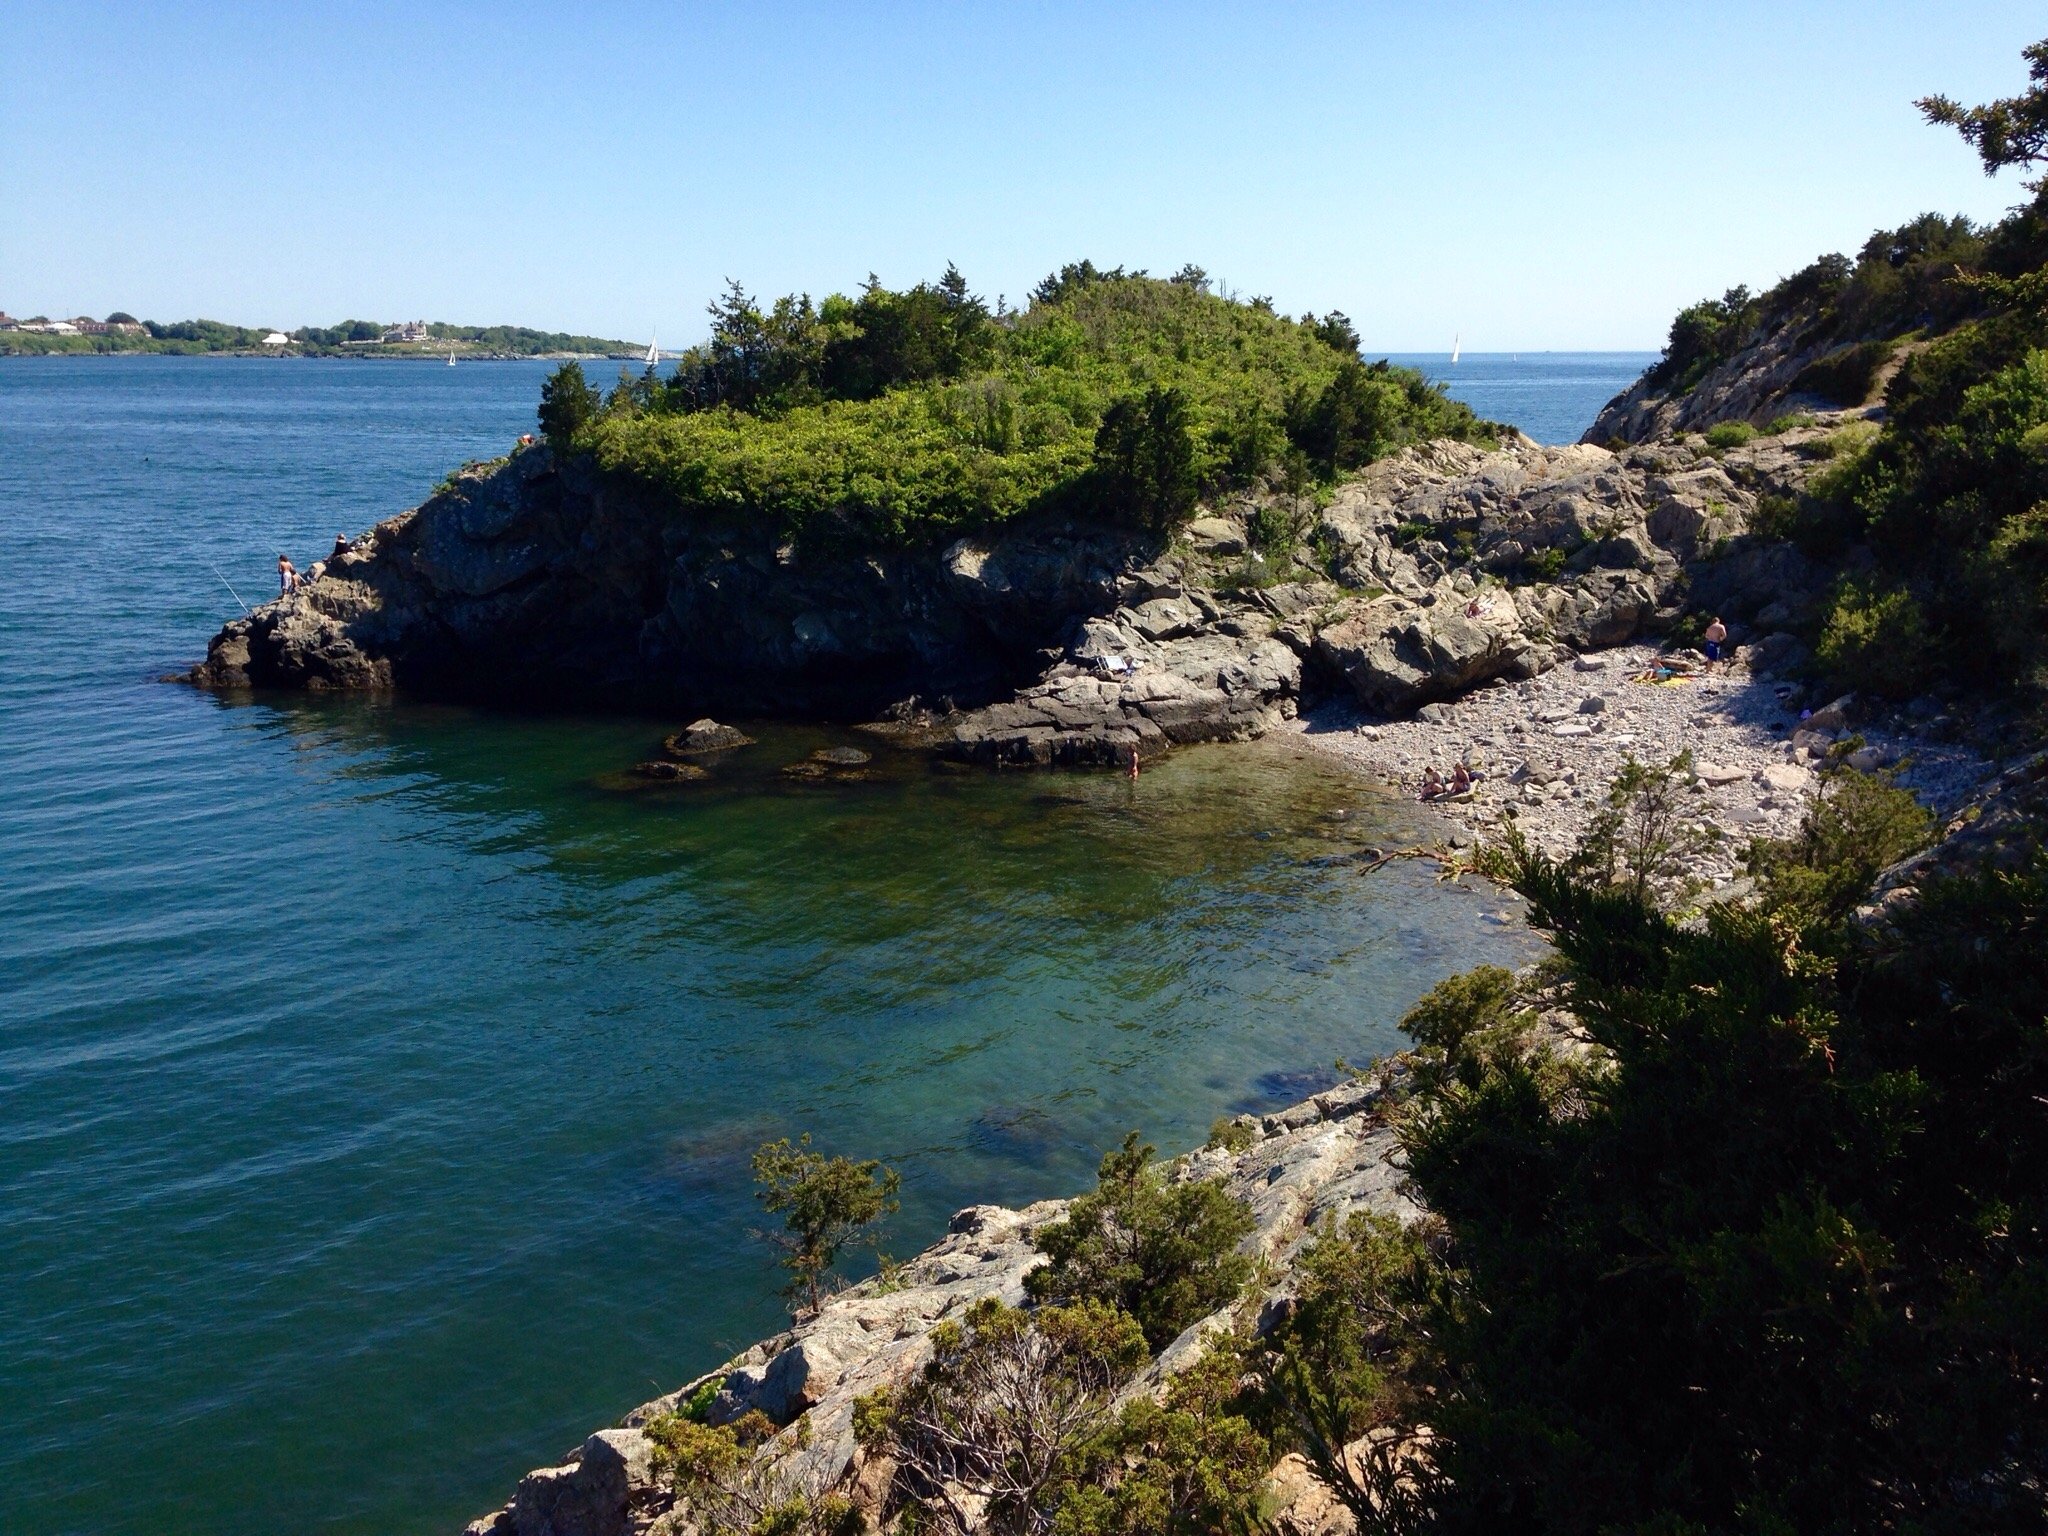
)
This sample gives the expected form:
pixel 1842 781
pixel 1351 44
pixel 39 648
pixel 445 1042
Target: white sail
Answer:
pixel 451 357
pixel 653 353
pixel 1455 341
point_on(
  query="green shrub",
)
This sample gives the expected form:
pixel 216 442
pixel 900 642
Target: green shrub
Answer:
pixel 568 405
pixel 1010 1427
pixel 1729 434
pixel 1858 826
pixel 1368 410
pixel 1643 839
pixel 730 1493
pixel 1271 529
pixel 1679 1275
pixel 1232 1134
pixel 1145 458
pixel 1876 638
pixel 1791 422
pixel 1166 1253
pixel 826 1203
pixel 1190 1465
pixel 1845 375
pixel 1703 336
pixel 1774 517
pixel 697 1406
pixel 1546 564
pixel 1848 442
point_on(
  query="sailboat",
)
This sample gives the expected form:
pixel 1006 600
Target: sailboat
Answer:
pixel 653 354
pixel 1455 341
pixel 451 357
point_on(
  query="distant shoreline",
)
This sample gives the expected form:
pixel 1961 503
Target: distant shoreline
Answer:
pixel 331 357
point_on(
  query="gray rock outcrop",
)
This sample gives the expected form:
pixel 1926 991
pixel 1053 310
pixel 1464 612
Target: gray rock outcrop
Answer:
pixel 1438 569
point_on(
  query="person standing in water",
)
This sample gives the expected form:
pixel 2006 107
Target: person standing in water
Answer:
pixel 1131 768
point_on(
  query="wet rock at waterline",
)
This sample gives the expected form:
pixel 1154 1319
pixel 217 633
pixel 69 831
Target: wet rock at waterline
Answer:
pixel 703 737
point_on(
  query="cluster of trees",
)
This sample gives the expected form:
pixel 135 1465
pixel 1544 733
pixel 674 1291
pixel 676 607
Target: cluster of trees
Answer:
pixel 898 414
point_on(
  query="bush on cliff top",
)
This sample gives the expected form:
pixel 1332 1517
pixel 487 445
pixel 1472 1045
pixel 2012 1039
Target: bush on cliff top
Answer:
pixel 1166 1253
pixel 898 415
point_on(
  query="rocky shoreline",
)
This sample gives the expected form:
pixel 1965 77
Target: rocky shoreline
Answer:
pixel 1327 1156
pixel 1439 569
pixel 1547 748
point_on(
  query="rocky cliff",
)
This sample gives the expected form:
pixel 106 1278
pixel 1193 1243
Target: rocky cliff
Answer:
pixel 1433 571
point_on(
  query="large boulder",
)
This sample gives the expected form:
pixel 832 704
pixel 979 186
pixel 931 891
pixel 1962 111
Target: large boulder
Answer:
pixel 1396 654
pixel 592 1495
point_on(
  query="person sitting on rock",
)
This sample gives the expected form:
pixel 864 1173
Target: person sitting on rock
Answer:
pixel 340 547
pixel 1432 784
pixel 1461 779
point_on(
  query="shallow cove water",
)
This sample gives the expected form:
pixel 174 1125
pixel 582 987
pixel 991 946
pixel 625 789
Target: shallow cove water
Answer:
pixel 377 1078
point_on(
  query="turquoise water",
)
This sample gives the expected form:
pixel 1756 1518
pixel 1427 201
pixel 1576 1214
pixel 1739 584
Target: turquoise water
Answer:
pixel 377 1079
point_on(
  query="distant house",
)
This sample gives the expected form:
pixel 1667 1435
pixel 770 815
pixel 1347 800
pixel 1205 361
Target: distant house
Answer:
pixel 412 330
pixel 85 325
pixel 277 339
pixel 8 322
pixel 49 327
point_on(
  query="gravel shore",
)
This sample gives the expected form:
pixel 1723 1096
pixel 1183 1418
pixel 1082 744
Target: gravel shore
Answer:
pixel 1548 748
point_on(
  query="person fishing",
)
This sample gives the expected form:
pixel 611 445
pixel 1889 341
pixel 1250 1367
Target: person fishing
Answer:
pixel 287 576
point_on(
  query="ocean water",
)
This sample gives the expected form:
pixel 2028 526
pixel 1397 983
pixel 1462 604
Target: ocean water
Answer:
pixel 1552 396
pixel 377 1078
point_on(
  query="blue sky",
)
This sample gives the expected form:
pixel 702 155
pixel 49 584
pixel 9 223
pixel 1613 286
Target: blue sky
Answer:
pixel 1529 175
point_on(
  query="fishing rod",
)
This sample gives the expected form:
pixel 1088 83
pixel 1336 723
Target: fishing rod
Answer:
pixel 230 586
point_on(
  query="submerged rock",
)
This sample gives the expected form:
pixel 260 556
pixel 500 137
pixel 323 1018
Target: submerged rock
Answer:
pixel 663 770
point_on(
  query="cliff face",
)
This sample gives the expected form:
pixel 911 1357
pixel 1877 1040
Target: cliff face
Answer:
pixel 1436 570
pixel 1770 376
pixel 529 581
